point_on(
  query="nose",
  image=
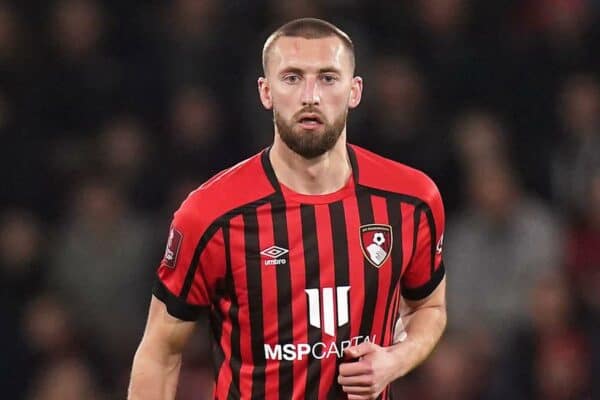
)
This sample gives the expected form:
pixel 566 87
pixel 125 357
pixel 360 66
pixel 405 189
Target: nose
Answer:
pixel 310 94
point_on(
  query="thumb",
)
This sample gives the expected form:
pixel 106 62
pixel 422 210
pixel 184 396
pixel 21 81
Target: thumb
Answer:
pixel 360 350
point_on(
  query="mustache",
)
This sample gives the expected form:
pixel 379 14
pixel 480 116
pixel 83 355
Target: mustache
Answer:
pixel 311 110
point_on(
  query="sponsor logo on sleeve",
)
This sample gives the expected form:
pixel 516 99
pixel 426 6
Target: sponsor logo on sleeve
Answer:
pixel 440 245
pixel 172 250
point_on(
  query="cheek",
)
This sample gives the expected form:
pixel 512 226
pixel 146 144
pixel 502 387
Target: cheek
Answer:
pixel 336 103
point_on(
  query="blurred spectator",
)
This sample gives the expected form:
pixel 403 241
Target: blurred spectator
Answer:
pixel 480 139
pixel 67 379
pixel 21 277
pixel 195 44
pixel 49 329
pixel 128 157
pixel 451 373
pixel 549 358
pixel 199 145
pixel 583 267
pixel 102 262
pixel 578 156
pixel 81 77
pixel 501 243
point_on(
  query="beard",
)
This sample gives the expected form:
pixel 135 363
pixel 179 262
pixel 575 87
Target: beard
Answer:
pixel 309 143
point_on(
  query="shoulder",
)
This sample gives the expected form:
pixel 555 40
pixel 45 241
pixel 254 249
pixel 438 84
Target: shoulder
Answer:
pixel 225 192
pixel 382 174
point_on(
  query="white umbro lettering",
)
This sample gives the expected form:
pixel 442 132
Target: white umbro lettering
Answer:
pixel 274 253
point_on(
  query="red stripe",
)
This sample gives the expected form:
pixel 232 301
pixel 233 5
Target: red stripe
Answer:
pixel 269 298
pixel 238 259
pixel 299 305
pixel 389 324
pixel 224 376
pixel 408 229
pixel 327 276
pixel 380 216
pixel 355 258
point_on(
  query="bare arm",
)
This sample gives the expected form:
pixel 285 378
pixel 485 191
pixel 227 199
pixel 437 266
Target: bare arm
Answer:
pixel 157 361
pixel 425 321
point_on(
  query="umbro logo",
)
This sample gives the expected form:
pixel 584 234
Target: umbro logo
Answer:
pixel 273 255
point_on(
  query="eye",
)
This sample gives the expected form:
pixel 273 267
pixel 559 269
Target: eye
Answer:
pixel 329 78
pixel 291 78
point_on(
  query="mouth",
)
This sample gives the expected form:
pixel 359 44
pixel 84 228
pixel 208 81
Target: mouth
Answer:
pixel 310 121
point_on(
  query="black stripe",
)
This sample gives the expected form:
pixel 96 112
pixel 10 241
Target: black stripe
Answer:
pixel 342 277
pixel 365 210
pixel 426 289
pixel 284 297
pixel 236 355
pixel 175 305
pixel 216 318
pixel 397 196
pixel 189 277
pixel 433 236
pixel 416 223
pixel 313 280
pixel 269 171
pixel 255 304
pixel 208 234
pixel 395 220
pixel 353 164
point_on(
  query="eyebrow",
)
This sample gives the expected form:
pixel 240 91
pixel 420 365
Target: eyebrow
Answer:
pixel 300 71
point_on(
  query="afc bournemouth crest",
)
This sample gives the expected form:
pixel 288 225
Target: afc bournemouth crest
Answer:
pixel 376 243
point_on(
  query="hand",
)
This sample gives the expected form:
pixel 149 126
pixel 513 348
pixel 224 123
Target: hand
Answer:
pixel 369 369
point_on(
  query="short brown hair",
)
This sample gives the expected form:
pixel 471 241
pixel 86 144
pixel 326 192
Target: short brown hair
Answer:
pixel 308 28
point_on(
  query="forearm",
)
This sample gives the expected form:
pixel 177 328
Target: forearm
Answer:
pixel 154 377
pixel 424 328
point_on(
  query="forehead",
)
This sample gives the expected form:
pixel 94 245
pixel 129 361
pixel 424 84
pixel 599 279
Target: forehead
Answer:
pixel 308 54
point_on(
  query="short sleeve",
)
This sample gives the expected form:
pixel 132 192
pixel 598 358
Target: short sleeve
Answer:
pixel 426 268
pixel 180 282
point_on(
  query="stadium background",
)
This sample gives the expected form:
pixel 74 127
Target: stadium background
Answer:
pixel 111 111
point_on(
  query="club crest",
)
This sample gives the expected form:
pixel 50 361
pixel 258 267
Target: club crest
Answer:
pixel 376 243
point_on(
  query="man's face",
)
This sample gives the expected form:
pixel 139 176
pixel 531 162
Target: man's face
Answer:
pixel 309 85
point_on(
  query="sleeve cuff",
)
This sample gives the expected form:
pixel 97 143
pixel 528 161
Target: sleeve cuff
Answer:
pixel 177 307
pixel 425 290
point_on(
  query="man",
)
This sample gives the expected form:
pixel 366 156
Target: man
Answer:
pixel 303 253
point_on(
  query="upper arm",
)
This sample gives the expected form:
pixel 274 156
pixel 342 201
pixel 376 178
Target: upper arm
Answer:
pixel 165 335
pixel 189 271
pixel 426 270
pixel 437 298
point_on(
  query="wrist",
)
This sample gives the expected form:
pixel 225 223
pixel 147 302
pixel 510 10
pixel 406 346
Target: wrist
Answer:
pixel 400 367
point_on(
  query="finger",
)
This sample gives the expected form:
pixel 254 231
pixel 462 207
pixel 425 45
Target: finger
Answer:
pixel 359 397
pixel 360 350
pixel 360 390
pixel 363 367
pixel 358 380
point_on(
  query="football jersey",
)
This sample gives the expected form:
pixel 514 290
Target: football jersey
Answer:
pixel 291 280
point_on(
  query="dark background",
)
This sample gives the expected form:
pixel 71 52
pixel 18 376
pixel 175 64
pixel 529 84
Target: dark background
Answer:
pixel 112 111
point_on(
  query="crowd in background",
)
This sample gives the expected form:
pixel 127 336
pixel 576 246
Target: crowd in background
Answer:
pixel 112 111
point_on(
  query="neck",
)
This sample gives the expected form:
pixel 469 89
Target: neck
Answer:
pixel 321 175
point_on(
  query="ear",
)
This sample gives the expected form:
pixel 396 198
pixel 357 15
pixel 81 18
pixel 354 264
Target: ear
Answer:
pixel 264 91
pixel 355 92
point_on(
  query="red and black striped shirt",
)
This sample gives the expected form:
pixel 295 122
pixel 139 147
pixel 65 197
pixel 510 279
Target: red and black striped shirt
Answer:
pixel 291 280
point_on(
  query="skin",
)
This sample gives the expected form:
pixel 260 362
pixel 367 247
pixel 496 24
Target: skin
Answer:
pixel 315 75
